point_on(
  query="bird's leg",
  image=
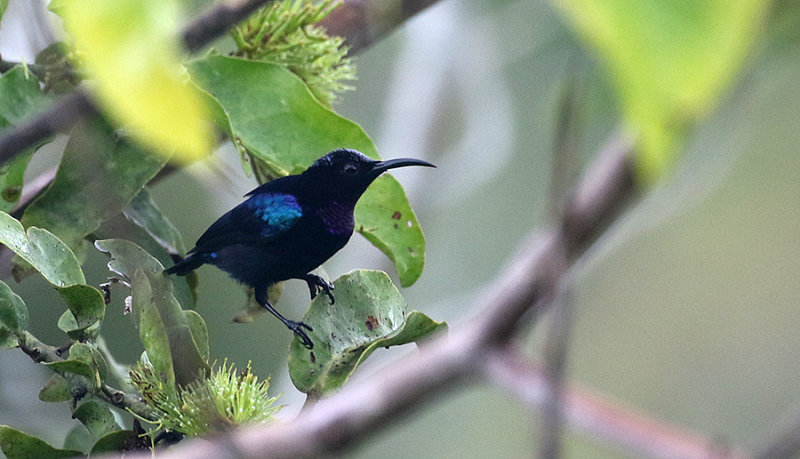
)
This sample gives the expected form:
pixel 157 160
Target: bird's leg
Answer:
pixel 316 283
pixel 294 326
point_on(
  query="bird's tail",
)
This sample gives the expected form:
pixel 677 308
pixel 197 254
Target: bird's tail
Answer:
pixel 186 265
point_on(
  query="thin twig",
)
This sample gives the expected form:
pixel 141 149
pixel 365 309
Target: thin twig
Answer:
pixel 40 352
pixel 555 357
pixel 635 433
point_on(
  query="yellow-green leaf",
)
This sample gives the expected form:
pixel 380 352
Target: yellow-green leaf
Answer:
pixel 669 59
pixel 130 49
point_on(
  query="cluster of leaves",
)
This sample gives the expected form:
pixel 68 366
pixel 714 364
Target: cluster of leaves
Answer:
pixel 285 33
pixel 99 193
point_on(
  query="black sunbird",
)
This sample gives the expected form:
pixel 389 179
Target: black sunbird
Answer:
pixel 290 226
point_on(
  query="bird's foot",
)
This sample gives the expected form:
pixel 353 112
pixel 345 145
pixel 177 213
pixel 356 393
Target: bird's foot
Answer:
pixel 317 284
pixel 297 329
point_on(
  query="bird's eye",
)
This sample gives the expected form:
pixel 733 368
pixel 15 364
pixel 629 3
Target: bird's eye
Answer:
pixel 350 169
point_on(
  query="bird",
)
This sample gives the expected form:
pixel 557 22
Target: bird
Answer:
pixel 289 226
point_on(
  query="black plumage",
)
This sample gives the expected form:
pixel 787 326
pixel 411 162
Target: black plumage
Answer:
pixel 289 226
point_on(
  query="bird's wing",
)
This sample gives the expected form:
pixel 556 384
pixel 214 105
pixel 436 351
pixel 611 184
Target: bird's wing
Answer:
pixel 260 218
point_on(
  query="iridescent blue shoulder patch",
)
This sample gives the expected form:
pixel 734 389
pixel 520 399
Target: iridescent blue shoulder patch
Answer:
pixel 278 211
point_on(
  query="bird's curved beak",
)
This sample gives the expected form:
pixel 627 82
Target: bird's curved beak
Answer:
pixel 381 166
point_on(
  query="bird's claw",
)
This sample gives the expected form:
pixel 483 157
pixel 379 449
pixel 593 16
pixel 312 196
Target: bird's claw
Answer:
pixel 317 284
pixel 297 329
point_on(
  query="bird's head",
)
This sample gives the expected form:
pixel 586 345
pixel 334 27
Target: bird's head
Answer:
pixel 347 173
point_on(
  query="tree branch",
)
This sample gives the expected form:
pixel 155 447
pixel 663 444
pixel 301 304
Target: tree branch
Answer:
pixel 363 22
pixel 528 283
pixel 40 352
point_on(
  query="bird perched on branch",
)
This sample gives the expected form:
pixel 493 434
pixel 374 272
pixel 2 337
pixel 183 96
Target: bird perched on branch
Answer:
pixel 290 226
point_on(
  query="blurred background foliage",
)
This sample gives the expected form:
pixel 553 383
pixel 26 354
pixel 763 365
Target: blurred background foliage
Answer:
pixel 687 309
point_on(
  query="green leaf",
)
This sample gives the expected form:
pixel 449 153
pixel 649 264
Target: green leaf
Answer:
pixel 85 303
pixel 20 97
pixel 199 332
pixel 121 441
pixel 13 317
pixel 3 7
pixel 97 418
pixel 369 313
pixel 57 389
pixel 91 356
pixel 670 60
pixel 272 115
pixel 98 176
pixel 19 445
pixel 75 367
pixel 131 50
pixel 57 263
pixel 144 212
pixel 152 332
pixel 164 328
pixel 78 438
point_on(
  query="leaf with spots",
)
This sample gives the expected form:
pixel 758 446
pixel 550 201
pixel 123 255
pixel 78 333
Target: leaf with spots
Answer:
pixel 97 418
pixel 369 313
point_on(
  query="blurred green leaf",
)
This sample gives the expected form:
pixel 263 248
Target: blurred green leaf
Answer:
pixel 20 97
pixel 13 317
pixel 57 389
pixel 3 7
pixel 164 328
pixel 97 418
pixel 98 176
pixel 369 313
pixel 56 262
pixel 271 114
pixel 19 445
pixel 59 75
pixel 144 212
pixel 670 61
pixel 129 47
pixel 121 441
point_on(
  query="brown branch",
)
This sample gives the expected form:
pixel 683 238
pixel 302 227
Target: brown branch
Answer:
pixel 528 284
pixel 40 352
pixel 363 22
pixel 638 434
